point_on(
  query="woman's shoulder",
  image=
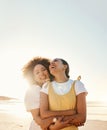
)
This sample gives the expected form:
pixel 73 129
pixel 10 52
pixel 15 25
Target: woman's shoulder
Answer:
pixel 33 89
pixel 32 93
pixel 80 87
pixel 46 86
pixel 79 83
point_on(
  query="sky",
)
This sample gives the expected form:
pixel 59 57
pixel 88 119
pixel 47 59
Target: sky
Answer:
pixel 73 30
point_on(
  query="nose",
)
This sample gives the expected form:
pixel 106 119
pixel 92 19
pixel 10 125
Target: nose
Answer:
pixel 41 73
pixel 52 62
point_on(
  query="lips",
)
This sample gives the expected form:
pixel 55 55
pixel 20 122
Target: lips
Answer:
pixel 43 77
pixel 52 67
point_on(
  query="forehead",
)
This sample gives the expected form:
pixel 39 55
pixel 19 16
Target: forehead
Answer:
pixel 56 59
pixel 39 66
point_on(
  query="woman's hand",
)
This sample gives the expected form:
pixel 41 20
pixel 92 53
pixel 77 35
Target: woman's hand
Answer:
pixel 59 124
pixel 74 120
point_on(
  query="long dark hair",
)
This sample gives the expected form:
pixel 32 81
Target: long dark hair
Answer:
pixel 67 69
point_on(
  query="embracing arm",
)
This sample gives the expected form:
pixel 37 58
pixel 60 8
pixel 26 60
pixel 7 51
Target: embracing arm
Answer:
pixel 48 123
pixel 44 108
pixel 44 123
pixel 80 117
pixel 77 119
pixel 59 124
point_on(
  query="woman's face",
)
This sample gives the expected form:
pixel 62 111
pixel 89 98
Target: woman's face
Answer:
pixel 56 66
pixel 40 74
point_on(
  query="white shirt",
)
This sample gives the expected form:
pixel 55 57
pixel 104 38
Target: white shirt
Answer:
pixel 32 101
pixel 63 88
pixel 32 97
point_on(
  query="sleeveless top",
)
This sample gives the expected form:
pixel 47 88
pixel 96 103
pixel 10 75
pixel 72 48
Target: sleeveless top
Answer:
pixel 62 102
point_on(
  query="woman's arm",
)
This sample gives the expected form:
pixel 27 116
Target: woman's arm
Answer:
pixel 44 108
pixel 44 123
pixel 80 117
pixel 59 124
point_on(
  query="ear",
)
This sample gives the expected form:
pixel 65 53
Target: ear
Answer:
pixel 65 67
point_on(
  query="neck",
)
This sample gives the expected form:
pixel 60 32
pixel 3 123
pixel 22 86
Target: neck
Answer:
pixel 61 79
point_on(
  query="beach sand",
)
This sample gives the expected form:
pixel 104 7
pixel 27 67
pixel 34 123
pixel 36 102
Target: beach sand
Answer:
pixel 13 122
pixel 94 125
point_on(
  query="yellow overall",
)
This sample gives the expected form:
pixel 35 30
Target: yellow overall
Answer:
pixel 62 102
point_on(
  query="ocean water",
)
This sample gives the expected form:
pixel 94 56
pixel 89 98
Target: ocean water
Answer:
pixel 95 110
pixel 15 107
